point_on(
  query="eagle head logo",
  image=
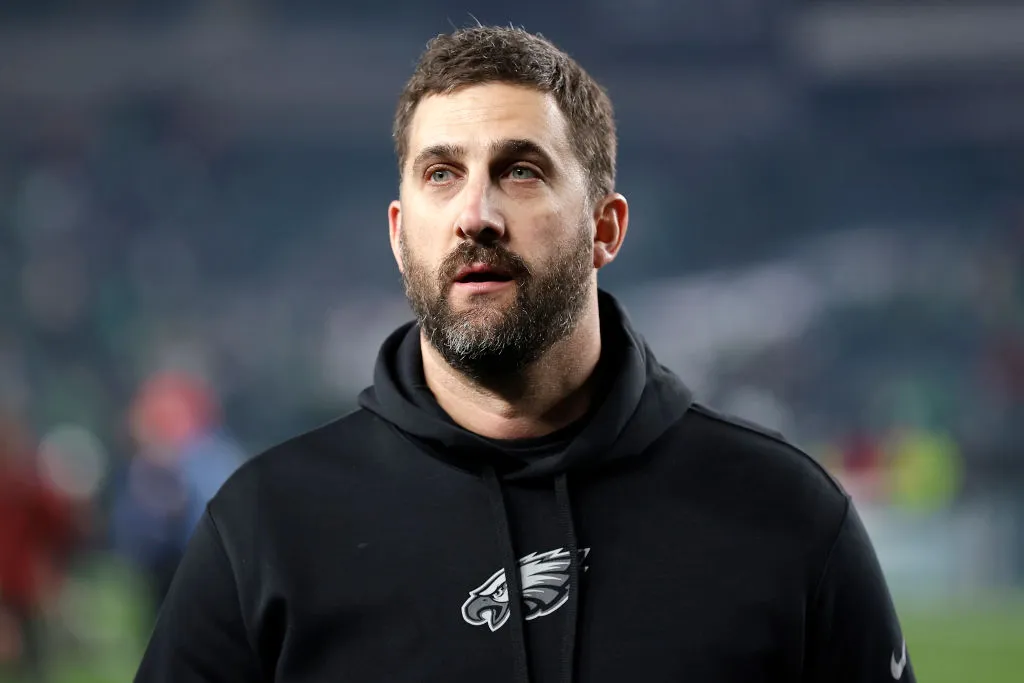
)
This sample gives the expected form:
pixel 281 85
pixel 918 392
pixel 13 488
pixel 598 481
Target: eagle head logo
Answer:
pixel 545 579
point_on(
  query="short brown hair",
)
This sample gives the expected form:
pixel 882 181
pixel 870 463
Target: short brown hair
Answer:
pixel 485 54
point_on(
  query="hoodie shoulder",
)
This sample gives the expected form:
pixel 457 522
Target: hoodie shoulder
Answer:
pixel 755 473
pixel 761 442
pixel 291 465
pixel 739 423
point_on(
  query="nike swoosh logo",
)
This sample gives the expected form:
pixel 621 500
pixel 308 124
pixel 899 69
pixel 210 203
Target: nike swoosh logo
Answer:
pixel 896 668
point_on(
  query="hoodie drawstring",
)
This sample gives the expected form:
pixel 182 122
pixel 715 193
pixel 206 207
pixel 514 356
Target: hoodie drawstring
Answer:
pixel 513 580
pixel 564 504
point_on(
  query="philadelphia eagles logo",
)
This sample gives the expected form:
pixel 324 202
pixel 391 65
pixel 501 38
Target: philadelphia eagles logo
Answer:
pixel 545 579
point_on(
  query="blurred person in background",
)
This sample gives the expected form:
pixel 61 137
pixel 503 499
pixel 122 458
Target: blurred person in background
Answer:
pixel 526 493
pixel 37 536
pixel 860 465
pixel 184 456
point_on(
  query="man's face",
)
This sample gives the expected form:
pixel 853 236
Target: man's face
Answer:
pixel 493 233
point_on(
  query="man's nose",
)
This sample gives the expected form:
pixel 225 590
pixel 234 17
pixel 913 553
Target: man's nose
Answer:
pixel 479 220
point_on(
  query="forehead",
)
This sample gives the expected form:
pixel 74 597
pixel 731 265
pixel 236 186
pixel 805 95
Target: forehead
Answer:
pixel 475 116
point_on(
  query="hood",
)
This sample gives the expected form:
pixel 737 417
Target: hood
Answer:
pixel 641 400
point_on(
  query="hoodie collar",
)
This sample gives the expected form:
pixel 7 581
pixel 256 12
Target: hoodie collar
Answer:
pixel 641 400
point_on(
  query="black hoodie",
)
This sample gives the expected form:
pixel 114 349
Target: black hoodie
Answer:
pixel 654 539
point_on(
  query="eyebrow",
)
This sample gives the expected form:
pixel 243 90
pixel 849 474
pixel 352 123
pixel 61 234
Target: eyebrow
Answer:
pixel 501 151
pixel 507 150
pixel 437 152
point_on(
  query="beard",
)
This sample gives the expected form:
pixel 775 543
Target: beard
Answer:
pixel 492 339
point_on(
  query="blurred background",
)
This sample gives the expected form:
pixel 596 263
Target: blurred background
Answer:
pixel 827 237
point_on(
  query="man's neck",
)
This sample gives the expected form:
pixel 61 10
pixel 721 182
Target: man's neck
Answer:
pixel 550 394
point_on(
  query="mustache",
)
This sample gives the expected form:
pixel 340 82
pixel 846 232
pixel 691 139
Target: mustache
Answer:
pixel 494 255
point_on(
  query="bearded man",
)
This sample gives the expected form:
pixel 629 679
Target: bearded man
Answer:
pixel 525 493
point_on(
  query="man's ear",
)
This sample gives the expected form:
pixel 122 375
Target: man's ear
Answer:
pixel 611 220
pixel 395 232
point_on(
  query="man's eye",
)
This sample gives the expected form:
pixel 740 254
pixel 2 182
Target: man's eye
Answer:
pixel 522 173
pixel 441 175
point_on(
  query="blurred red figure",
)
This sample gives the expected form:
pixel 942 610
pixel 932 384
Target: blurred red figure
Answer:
pixel 862 466
pixel 36 536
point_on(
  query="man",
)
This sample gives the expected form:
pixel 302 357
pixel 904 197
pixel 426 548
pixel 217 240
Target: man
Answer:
pixel 521 440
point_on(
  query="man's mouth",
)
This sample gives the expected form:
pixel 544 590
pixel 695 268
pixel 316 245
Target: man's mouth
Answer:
pixel 479 272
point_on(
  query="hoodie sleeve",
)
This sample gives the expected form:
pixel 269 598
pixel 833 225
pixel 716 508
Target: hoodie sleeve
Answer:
pixel 853 633
pixel 200 636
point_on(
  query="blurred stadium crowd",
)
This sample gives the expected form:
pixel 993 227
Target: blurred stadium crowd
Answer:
pixel 182 285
